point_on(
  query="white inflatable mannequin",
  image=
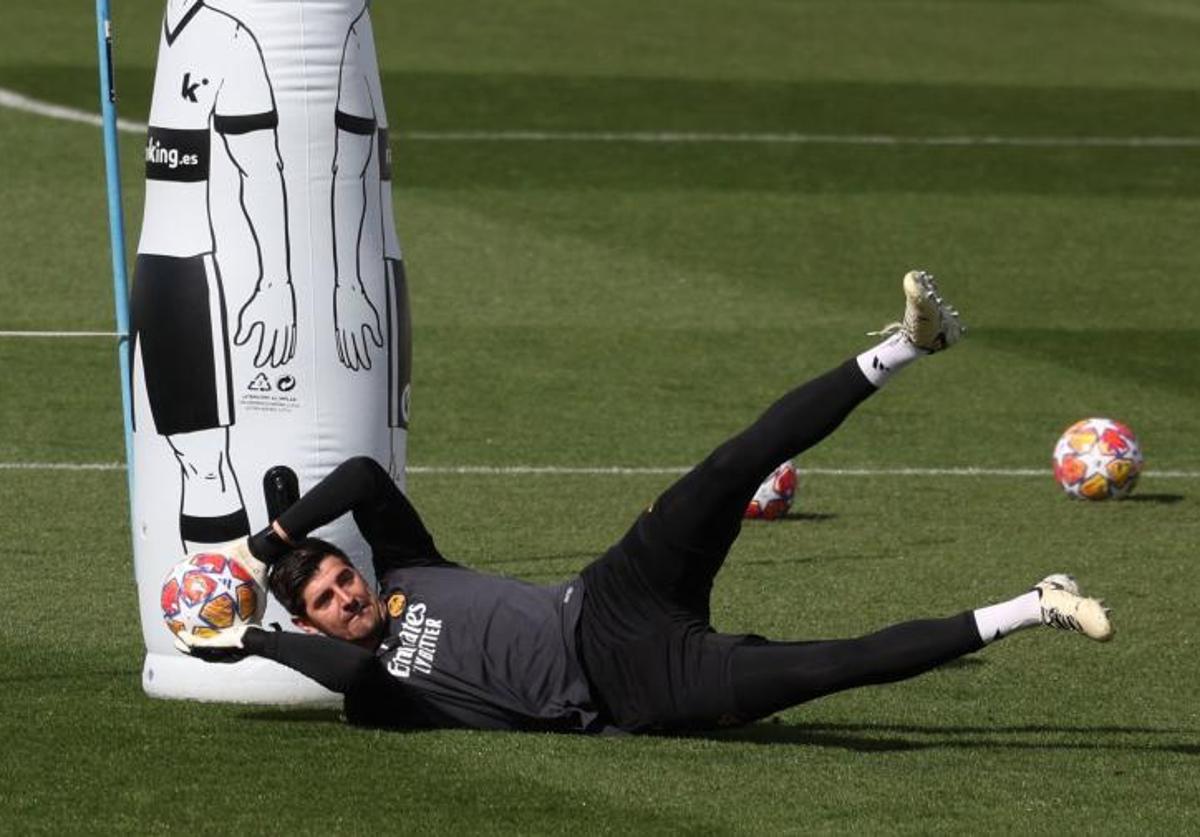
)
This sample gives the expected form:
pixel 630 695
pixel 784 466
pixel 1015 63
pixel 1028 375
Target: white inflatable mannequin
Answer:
pixel 269 305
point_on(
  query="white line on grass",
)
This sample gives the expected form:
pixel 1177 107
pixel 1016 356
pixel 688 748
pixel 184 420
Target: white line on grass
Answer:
pixel 793 138
pixel 621 471
pixel 616 470
pixel 62 466
pixel 18 101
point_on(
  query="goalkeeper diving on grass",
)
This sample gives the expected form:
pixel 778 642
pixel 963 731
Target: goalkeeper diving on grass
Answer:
pixel 627 644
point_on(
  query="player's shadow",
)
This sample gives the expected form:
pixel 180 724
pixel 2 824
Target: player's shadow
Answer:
pixel 888 738
pixel 882 738
pixel 1160 499
pixel 295 716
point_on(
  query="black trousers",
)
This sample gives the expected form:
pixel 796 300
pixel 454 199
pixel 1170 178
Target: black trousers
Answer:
pixel 652 657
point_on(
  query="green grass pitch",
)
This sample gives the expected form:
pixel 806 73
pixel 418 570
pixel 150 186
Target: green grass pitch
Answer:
pixel 592 304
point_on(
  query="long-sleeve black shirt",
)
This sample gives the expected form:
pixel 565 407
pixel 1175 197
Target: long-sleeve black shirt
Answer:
pixel 461 648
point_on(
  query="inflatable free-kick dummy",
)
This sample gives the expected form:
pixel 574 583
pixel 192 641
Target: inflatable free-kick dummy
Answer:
pixel 269 309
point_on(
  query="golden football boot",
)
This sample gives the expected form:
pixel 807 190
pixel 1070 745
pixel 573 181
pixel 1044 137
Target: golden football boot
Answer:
pixel 930 323
pixel 1064 607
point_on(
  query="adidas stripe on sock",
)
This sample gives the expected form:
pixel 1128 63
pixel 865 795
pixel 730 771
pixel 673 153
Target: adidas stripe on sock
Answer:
pixel 886 359
pixel 1000 620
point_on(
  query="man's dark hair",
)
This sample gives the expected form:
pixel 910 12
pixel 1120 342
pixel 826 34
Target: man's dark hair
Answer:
pixel 291 573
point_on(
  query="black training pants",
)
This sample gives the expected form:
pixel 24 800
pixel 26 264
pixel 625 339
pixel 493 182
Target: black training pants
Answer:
pixel 652 657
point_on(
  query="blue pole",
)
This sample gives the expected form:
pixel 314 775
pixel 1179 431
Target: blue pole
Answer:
pixel 116 223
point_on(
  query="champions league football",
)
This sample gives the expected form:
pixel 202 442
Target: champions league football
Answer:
pixel 207 593
pixel 774 497
pixel 1097 459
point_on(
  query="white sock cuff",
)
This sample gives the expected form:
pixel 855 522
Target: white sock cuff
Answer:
pixel 1000 620
pixel 887 358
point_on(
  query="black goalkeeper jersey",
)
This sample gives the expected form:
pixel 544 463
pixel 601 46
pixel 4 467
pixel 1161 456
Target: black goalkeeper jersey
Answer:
pixel 462 648
pixel 487 651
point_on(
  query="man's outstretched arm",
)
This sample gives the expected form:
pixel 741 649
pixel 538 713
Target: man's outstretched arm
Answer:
pixel 337 665
pixel 372 696
pixel 386 518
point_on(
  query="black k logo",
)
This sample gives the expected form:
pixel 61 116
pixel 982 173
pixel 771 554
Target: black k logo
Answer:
pixel 189 90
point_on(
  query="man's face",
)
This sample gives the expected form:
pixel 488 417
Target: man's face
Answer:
pixel 338 602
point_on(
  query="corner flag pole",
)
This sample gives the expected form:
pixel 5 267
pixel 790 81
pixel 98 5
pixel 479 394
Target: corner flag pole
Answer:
pixel 116 221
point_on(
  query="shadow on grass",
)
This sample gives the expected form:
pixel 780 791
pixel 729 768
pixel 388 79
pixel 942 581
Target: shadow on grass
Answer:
pixel 295 716
pixel 876 738
pixel 1160 499
pixel 805 517
pixel 885 738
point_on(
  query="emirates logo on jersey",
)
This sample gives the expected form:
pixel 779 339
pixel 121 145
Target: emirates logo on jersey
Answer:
pixel 418 644
pixel 175 155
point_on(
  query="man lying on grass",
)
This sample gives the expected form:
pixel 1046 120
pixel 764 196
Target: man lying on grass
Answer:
pixel 625 645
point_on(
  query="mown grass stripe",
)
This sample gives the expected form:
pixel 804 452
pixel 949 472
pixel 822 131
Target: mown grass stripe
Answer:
pixel 18 101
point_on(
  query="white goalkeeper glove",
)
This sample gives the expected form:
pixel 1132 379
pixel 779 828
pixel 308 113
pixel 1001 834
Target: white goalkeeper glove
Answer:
pixel 223 647
pixel 239 551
